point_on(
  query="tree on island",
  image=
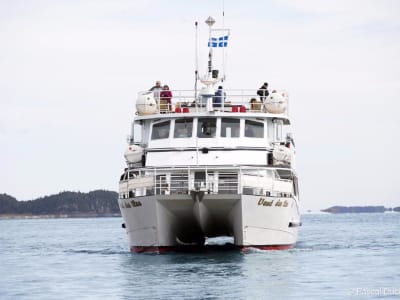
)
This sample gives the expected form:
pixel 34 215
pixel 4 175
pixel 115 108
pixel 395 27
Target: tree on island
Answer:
pixel 98 202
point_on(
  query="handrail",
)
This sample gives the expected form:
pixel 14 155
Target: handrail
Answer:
pixel 166 181
pixel 209 168
pixel 203 101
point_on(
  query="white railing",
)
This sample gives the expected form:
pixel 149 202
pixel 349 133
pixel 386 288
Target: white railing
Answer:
pixel 192 101
pixel 227 180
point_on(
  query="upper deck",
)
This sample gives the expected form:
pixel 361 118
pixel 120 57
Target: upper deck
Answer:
pixel 192 129
pixel 247 103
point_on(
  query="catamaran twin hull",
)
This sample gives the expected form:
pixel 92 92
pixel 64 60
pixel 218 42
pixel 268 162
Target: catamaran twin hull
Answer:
pixel 210 162
pixel 163 223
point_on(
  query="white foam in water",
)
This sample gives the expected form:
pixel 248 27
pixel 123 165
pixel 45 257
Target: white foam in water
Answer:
pixel 256 250
pixel 219 241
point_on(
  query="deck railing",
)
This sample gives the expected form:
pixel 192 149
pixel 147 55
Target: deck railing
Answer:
pixel 191 101
pixel 233 180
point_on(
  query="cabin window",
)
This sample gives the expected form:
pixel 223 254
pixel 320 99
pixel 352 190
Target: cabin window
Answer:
pixel 254 129
pixel 270 131
pixel 207 127
pixel 137 134
pixel 230 127
pixel 183 128
pixel 160 130
pixel 278 124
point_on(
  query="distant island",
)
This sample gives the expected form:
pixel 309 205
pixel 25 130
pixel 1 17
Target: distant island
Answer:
pixel 102 203
pixel 99 203
pixel 359 209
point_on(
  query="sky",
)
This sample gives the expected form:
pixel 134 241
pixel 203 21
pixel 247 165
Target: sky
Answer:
pixel 70 72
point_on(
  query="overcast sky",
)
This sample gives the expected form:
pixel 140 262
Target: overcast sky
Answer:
pixel 70 72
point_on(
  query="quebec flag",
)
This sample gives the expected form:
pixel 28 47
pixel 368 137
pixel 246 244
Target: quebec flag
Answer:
pixel 218 42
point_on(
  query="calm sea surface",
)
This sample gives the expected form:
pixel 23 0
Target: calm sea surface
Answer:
pixel 349 256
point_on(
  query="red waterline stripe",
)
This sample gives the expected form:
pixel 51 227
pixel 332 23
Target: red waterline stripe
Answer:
pixel 152 249
pixel 168 249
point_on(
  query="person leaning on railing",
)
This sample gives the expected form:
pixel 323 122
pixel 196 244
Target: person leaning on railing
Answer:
pixel 156 91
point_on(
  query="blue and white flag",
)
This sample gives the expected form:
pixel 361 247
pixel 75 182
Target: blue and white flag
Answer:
pixel 218 42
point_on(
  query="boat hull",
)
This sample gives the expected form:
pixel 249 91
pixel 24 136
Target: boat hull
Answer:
pixel 165 223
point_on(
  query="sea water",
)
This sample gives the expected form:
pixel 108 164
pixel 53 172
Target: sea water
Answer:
pixel 346 256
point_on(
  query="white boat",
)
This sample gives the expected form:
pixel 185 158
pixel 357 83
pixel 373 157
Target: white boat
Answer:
pixel 201 166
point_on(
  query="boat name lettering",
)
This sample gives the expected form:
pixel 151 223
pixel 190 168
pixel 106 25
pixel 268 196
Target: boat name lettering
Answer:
pixel 136 203
pixel 131 204
pixel 264 202
pixel 279 203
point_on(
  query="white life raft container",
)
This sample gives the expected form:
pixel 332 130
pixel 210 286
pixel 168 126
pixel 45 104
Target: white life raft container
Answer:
pixel 276 102
pixel 146 104
pixel 133 154
pixel 282 155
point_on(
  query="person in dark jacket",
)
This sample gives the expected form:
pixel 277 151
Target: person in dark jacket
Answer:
pixel 219 97
pixel 263 91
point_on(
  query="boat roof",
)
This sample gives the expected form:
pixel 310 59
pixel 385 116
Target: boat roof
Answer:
pixel 216 114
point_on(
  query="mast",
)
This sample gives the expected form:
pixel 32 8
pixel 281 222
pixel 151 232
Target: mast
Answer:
pixel 223 49
pixel 196 72
pixel 210 22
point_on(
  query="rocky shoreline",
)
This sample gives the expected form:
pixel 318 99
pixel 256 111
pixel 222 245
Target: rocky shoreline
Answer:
pixel 63 216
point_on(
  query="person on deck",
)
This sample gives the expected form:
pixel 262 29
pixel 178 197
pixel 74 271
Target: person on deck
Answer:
pixel 165 98
pixel 263 91
pixel 156 90
pixel 289 140
pixel 255 105
pixel 219 97
pixel 156 87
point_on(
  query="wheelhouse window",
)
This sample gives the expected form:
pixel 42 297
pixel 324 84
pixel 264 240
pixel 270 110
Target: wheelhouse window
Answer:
pixel 207 127
pixel 254 129
pixel 160 130
pixel 230 127
pixel 183 128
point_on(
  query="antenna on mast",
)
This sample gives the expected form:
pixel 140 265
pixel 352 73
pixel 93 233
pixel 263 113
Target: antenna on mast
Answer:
pixel 196 72
pixel 223 49
pixel 223 14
